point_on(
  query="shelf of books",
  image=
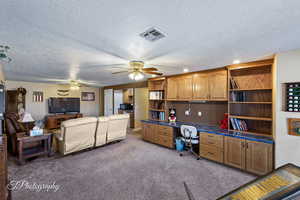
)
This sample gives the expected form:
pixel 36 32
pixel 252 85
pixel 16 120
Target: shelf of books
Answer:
pixel 157 102
pixel 250 104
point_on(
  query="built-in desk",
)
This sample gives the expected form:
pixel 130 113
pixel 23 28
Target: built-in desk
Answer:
pixel 244 151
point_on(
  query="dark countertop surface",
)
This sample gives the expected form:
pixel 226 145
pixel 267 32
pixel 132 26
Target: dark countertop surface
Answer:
pixel 214 130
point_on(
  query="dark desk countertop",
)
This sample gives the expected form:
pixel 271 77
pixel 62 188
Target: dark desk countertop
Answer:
pixel 214 130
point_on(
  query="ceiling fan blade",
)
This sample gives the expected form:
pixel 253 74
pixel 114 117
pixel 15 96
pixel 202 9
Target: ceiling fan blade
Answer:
pixel 162 65
pixel 120 72
pixel 100 66
pixel 155 73
pixel 149 69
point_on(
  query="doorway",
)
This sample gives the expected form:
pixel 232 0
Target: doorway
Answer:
pixel 118 100
pixel 108 102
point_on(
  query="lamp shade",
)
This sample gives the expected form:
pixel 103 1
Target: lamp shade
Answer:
pixel 27 118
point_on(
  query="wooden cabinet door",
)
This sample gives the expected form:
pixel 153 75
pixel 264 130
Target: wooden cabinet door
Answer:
pixel 259 157
pixel 145 131
pixel 172 88
pixel 152 132
pixel 185 87
pixel 218 85
pixel 234 152
pixel 149 132
pixel 200 86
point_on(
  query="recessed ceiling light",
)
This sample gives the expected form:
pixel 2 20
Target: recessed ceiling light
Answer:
pixel 185 70
pixel 153 75
pixel 236 62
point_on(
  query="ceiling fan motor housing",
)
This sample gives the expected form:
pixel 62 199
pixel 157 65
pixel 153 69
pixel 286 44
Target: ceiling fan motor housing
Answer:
pixel 136 65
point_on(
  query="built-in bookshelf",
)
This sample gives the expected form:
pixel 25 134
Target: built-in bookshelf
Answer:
pixel 157 102
pixel 250 95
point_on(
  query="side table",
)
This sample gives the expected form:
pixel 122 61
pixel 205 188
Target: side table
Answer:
pixel 43 149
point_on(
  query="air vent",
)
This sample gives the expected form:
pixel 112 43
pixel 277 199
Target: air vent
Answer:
pixel 152 34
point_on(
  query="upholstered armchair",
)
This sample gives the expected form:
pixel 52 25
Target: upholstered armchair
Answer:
pixel 13 129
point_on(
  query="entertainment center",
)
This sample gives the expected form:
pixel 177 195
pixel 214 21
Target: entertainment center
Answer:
pixel 62 109
pixel 54 121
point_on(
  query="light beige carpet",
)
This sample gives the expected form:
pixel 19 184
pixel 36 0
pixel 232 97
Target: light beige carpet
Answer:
pixel 128 170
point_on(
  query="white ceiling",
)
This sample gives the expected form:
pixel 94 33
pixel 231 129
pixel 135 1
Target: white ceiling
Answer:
pixel 53 40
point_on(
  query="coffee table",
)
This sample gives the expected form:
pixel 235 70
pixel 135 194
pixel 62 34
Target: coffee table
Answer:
pixel 43 149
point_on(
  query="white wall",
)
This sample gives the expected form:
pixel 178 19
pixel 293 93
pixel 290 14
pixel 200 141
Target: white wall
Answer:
pixel 39 110
pixel 287 147
pixel 140 106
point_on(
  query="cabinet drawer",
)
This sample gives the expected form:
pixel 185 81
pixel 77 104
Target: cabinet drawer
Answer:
pixel 212 139
pixel 165 128
pixel 165 141
pixel 211 152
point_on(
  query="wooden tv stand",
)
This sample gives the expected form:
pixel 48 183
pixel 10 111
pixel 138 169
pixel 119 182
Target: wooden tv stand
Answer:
pixel 54 121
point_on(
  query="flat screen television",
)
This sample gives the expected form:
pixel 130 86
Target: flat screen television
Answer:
pixel 63 105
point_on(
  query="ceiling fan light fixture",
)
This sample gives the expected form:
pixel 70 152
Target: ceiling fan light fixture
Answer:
pixel 74 85
pixel 136 76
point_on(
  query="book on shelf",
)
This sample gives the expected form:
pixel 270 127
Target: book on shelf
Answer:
pixel 158 115
pixel 238 124
pixel 238 96
pixel 233 84
pixel 156 95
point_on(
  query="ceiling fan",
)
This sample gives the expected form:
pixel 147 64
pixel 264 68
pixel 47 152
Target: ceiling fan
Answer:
pixel 137 70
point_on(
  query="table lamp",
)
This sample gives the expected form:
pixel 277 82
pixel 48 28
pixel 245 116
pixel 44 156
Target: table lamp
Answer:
pixel 26 118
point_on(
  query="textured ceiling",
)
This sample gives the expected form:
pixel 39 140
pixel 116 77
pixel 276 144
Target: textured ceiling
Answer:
pixel 54 40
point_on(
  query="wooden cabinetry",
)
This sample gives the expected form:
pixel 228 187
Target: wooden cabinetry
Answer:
pixel 254 157
pixel 198 86
pixel 259 157
pixel 211 147
pixel 218 85
pixel 162 135
pixel 149 132
pixel 54 121
pixel 157 101
pixel 172 88
pixel 185 87
pixel 4 194
pixel 234 152
pixel 251 97
pixel 128 95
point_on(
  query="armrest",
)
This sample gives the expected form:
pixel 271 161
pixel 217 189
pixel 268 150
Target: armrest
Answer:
pixel 59 136
pixel 20 134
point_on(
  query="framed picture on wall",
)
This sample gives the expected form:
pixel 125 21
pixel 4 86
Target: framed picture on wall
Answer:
pixel 87 96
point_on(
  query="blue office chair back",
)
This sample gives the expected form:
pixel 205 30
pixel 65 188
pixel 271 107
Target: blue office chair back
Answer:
pixel 188 131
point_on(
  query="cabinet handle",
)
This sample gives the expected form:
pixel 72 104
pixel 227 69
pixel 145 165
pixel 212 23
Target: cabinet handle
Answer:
pixel 243 144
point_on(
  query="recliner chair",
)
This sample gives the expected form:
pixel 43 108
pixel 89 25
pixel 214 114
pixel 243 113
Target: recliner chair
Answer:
pixel 77 134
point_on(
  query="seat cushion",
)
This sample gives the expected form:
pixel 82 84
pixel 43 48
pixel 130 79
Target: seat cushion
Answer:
pixel 193 141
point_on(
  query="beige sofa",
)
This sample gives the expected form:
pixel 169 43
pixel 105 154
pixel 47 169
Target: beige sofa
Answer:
pixel 77 134
pixel 87 132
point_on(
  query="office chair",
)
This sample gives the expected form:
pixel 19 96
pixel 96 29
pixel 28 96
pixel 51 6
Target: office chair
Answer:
pixel 189 138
